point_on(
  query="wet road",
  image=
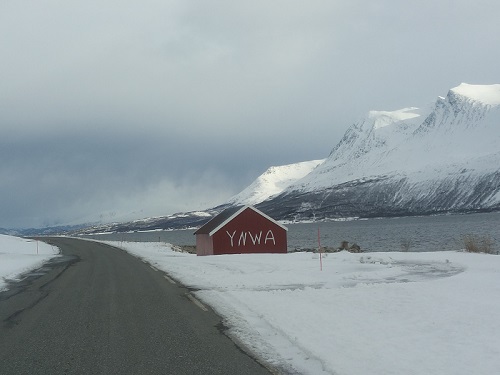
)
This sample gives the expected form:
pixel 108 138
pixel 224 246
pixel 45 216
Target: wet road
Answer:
pixel 99 310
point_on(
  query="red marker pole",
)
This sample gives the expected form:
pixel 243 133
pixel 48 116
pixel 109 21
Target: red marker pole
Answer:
pixel 320 253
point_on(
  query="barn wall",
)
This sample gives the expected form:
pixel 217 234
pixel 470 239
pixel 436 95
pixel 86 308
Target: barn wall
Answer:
pixel 204 245
pixel 249 232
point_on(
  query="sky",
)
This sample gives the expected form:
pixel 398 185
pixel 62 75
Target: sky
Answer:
pixel 117 110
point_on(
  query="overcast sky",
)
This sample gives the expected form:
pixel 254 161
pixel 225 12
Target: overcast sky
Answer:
pixel 145 108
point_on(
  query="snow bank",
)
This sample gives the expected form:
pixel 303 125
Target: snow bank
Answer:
pixel 19 255
pixel 381 313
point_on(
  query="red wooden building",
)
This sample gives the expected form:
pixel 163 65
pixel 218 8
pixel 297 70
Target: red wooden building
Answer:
pixel 241 229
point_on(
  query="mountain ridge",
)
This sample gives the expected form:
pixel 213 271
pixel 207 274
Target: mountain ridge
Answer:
pixel 450 162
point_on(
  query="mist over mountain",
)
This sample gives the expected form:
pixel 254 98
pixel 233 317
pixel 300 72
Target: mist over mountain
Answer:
pixel 273 181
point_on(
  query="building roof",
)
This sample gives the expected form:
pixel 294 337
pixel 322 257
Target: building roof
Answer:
pixel 226 216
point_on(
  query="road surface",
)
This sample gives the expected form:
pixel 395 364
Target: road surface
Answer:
pixel 99 310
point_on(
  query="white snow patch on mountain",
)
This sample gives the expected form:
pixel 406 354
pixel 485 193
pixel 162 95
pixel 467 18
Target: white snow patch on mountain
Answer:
pixel 487 94
pixel 273 181
pixel 384 118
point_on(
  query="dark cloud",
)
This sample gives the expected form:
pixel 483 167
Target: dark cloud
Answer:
pixel 129 109
pixel 79 177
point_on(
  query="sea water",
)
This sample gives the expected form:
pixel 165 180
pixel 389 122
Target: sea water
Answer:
pixel 425 233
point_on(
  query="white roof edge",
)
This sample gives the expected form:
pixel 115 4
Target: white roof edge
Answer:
pixel 216 229
pixel 268 217
pixel 243 208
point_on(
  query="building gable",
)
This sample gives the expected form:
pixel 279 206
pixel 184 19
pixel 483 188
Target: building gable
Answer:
pixel 242 229
pixel 218 221
pixel 240 211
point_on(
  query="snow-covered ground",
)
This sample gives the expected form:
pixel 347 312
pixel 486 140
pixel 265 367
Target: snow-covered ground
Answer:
pixel 19 255
pixel 375 313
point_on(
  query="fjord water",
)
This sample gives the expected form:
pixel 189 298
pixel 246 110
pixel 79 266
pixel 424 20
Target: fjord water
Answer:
pixel 430 233
pixel 426 233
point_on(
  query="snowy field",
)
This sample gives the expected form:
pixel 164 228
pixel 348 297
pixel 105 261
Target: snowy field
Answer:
pixel 373 313
pixel 19 255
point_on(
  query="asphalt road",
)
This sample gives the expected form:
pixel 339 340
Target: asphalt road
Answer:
pixel 101 311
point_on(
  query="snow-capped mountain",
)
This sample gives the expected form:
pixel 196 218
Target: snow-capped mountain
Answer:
pixel 273 181
pixel 407 162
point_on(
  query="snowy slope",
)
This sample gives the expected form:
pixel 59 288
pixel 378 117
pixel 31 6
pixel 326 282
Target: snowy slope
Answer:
pixel 408 162
pixel 273 181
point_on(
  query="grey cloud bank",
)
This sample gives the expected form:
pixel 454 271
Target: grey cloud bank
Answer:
pixel 128 109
